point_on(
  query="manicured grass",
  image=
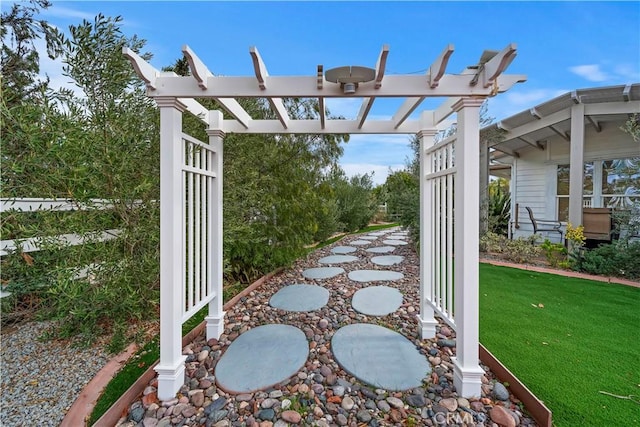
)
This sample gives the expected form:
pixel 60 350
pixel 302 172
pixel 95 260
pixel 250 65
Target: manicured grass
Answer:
pixel 567 339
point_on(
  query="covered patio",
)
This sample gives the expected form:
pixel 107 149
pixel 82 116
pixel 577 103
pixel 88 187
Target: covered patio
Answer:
pixel 569 160
pixel 191 183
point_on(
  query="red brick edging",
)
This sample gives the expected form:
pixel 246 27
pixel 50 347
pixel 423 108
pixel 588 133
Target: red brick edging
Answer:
pixel 82 407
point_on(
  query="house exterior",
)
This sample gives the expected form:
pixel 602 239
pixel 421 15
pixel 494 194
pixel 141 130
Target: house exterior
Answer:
pixel 541 145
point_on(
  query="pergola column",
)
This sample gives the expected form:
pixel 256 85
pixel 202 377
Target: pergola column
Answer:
pixel 576 165
pixel 215 318
pixel 426 320
pixel 171 367
pixel 467 371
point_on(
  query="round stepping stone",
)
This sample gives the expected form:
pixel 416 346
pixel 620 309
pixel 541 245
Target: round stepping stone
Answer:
pixel 322 272
pixel 381 249
pixel 262 357
pixel 360 242
pixel 368 238
pixel 378 233
pixel 397 236
pixel 394 242
pixel 300 298
pixel 387 259
pixel 343 249
pixel 377 300
pixel 374 275
pixel 379 356
pixel 337 259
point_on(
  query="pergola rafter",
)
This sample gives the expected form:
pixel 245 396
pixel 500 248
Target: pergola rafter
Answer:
pixel 191 182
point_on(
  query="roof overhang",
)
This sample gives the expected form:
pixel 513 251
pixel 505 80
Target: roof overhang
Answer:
pixel 532 129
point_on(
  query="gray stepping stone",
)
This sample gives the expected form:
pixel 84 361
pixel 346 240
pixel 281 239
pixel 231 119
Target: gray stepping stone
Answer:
pixel 377 300
pixel 361 242
pixel 262 357
pixel 394 242
pixel 322 272
pixel 381 249
pixel 397 236
pixel 368 238
pixel 387 259
pixel 374 275
pixel 378 233
pixel 379 356
pixel 300 298
pixel 337 259
pixel 343 249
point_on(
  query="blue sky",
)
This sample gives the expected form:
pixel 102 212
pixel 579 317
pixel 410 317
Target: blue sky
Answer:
pixel 561 46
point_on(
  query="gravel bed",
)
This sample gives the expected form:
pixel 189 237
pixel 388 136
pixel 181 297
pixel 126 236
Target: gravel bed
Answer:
pixel 42 378
pixel 322 393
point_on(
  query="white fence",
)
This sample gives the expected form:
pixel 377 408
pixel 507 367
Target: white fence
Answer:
pixel 198 162
pixel 441 178
pixel 34 244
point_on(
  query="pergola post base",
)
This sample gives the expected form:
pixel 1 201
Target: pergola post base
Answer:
pixel 427 325
pixel 170 379
pixel 467 379
pixel 215 326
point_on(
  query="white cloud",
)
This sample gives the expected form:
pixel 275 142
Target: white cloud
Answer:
pixel 380 172
pixel 57 11
pixel 591 72
pixel 627 72
pixel 517 100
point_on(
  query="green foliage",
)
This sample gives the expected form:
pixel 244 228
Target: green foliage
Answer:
pixel 617 259
pixel 555 253
pixel 19 29
pixel 102 145
pixel 518 250
pixel 403 200
pixel 499 205
pixel 354 199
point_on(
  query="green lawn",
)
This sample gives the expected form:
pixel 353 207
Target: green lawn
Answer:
pixel 583 338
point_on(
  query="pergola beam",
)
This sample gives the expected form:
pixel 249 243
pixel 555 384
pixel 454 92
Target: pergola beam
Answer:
pixel 364 111
pixel 381 65
pixel 396 86
pixel 497 65
pixel 143 69
pixel 261 74
pixel 330 127
pixel 439 66
pixel 405 110
pixel 198 70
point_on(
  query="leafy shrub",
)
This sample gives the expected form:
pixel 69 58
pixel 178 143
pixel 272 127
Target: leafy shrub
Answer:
pixel 499 205
pixel 611 260
pixel 518 250
pixel 555 253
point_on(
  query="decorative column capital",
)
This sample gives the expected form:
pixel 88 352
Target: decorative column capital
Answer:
pixel 216 132
pixel 422 133
pixel 467 102
pixel 167 101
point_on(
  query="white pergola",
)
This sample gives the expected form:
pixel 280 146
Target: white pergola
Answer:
pixel 191 183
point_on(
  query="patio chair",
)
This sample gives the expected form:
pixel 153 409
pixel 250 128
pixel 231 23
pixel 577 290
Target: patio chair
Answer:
pixel 544 225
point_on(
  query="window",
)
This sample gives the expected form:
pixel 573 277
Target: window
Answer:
pixel 621 182
pixel 609 183
pixel 563 188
